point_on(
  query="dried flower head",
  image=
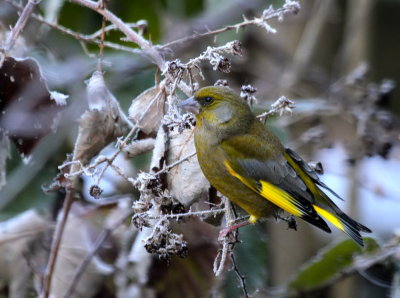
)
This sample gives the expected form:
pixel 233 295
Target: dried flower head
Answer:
pixel 283 105
pixel 247 93
pixel 224 65
pixel 174 68
pixel 95 191
pixel 235 47
pixel 164 243
pixel 221 83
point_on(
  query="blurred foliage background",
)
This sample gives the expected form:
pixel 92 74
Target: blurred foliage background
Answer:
pixel 333 58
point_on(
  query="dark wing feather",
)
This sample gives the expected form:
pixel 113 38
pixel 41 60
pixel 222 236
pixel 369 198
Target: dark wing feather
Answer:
pixel 309 171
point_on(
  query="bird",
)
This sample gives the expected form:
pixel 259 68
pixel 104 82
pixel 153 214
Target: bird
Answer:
pixel 249 165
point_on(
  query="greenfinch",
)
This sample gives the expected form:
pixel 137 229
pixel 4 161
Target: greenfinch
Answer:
pixel 249 165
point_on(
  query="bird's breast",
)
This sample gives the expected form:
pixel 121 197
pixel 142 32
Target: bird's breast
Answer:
pixel 211 159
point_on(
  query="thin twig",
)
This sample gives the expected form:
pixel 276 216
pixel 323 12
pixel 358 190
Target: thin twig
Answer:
pixel 174 164
pixel 118 151
pixel 103 236
pixel 103 5
pixel 278 13
pixel 89 38
pixel 149 50
pixel 19 26
pixel 133 36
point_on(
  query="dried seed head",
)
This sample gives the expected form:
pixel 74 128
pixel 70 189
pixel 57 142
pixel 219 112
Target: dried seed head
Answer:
pixel 247 93
pixel 221 83
pixel 95 191
pixel 140 206
pixel 164 243
pixel 139 221
pixel 174 68
pixel 292 6
pixel 283 105
pixel 236 47
pixel 224 65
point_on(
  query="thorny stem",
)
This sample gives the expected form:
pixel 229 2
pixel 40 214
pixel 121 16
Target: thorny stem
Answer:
pixel 187 214
pixel 19 26
pixel 96 246
pixel 55 246
pixel 240 276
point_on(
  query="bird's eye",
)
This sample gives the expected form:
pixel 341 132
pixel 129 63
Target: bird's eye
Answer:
pixel 208 99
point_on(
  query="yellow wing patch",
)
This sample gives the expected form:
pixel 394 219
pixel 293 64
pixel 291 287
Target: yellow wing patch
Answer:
pixel 280 198
pixel 272 193
pixel 329 217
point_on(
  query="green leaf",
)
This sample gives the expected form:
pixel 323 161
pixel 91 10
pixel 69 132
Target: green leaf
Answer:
pixel 329 264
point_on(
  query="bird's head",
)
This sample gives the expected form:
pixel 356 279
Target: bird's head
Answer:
pixel 217 106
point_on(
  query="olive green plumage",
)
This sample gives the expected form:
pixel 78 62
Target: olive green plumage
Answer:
pixel 248 164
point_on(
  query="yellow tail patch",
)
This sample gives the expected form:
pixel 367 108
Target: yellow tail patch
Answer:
pixel 329 217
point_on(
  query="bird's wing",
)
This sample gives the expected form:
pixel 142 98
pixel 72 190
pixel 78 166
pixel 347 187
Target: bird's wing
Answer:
pixel 250 159
pixel 296 161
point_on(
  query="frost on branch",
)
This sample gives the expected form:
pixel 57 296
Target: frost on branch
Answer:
pixel 212 54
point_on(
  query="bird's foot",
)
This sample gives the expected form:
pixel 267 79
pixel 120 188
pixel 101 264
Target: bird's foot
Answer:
pixel 290 220
pixel 227 231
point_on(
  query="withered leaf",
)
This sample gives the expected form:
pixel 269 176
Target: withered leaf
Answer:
pixel 16 235
pixel 147 109
pixel 100 125
pixel 186 181
pixel 27 108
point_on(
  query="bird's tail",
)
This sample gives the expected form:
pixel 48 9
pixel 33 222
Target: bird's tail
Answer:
pixel 343 222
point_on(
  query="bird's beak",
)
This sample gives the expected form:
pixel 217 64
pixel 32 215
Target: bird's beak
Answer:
pixel 190 105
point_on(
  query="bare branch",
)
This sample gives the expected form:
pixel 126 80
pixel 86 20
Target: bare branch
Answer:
pixel 145 45
pixel 90 38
